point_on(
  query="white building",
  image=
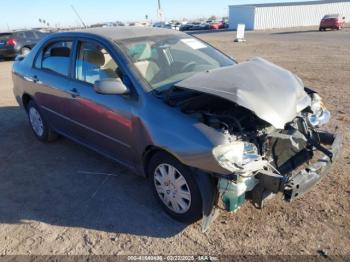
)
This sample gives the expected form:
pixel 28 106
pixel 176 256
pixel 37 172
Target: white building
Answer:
pixel 283 15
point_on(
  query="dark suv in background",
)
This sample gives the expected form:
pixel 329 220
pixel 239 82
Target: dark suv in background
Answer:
pixel 18 42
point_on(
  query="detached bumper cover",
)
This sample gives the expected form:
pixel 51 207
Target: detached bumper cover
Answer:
pixel 310 176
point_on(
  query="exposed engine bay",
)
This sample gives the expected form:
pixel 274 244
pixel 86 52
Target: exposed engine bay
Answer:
pixel 216 112
pixel 278 147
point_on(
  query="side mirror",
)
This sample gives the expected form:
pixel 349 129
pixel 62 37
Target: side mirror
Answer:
pixel 343 17
pixel 110 86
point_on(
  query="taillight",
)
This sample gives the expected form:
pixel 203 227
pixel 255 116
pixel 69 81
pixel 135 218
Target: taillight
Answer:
pixel 11 42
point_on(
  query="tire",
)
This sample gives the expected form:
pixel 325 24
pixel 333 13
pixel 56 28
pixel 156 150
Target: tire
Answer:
pixel 25 50
pixel 38 124
pixel 185 207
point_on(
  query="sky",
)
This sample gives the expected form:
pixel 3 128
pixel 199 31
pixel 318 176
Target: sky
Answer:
pixel 16 14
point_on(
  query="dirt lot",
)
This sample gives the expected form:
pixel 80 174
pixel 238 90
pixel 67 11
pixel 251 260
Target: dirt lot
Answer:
pixel 49 205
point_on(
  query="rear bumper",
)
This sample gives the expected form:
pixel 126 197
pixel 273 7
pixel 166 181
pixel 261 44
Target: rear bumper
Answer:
pixel 8 52
pixel 301 183
pixel 330 25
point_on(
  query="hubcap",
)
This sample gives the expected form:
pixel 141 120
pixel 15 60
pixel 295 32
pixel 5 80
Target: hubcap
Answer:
pixel 172 188
pixel 36 121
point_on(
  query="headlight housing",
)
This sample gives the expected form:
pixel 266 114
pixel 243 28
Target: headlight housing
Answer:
pixel 239 157
pixel 320 115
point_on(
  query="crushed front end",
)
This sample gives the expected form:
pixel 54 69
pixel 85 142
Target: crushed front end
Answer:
pixel 271 129
pixel 270 161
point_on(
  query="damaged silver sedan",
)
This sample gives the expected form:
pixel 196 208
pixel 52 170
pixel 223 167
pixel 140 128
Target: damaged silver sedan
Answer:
pixel 204 129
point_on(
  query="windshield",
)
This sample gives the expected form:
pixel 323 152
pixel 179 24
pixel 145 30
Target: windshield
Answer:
pixel 165 60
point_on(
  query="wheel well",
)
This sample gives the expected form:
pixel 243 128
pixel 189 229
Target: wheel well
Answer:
pixel 25 100
pixel 148 154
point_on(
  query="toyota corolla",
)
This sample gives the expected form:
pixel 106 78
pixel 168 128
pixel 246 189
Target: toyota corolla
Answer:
pixel 207 131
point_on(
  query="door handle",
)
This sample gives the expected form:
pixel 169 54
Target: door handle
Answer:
pixel 36 79
pixel 74 92
pixel 33 79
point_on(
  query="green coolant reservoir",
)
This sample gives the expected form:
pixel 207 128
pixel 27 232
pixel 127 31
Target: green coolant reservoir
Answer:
pixel 233 193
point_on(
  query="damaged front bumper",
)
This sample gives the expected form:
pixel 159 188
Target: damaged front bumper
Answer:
pixel 267 183
pixel 233 193
pixel 302 182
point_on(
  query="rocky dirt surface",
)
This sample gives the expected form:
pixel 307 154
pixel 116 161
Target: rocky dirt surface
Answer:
pixel 53 201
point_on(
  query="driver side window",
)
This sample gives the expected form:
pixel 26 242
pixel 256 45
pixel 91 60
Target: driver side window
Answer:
pixel 94 63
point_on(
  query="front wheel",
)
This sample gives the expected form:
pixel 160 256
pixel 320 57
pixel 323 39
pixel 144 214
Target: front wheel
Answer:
pixel 38 124
pixel 175 188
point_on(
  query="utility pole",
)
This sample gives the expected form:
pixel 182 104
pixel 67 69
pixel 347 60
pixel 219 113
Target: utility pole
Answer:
pixel 160 12
pixel 77 14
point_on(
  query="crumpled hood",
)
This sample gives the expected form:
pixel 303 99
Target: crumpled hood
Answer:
pixel 271 92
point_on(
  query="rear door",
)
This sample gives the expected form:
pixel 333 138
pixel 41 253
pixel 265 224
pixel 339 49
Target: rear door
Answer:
pixel 51 80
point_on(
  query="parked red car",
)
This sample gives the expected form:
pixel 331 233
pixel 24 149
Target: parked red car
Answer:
pixel 219 25
pixel 215 25
pixel 335 21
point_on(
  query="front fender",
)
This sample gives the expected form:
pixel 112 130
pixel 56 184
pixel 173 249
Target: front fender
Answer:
pixel 188 140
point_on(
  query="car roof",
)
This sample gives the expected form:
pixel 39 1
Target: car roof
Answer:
pixel 127 32
pixel 332 16
pixel 18 31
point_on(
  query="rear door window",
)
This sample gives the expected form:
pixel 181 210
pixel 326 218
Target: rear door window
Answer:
pixel 29 35
pixel 20 35
pixel 39 35
pixel 56 57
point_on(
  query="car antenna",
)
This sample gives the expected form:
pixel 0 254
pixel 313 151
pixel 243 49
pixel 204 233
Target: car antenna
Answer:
pixel 76 12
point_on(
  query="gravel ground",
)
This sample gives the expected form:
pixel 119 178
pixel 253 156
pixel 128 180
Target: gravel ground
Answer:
pixel 52 201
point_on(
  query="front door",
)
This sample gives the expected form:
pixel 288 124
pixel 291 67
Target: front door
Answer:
pixel 101 121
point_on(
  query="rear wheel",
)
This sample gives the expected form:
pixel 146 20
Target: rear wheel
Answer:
pixel 175 188
pixel 38 124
